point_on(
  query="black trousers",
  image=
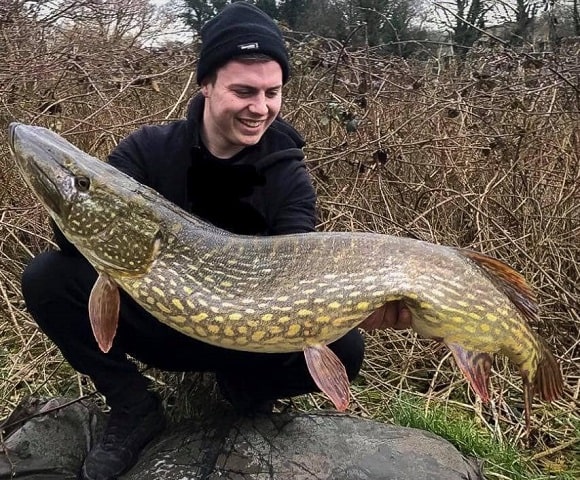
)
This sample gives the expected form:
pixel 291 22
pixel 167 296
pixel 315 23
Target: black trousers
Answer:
pixel 56 289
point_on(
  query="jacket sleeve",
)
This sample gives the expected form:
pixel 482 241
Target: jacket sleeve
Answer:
pixel 296 210
pixel 129 155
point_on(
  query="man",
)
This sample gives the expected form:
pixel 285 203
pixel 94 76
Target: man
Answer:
pixel 233 162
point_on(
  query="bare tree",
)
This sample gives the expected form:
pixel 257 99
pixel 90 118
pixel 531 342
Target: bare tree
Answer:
pixel 466 19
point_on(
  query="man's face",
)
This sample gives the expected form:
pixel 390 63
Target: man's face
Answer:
pixel 240 105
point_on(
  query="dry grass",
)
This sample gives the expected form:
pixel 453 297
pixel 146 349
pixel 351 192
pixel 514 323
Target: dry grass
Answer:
pixel 484 155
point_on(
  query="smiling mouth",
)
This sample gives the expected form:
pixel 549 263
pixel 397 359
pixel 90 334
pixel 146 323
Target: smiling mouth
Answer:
pixel 251 123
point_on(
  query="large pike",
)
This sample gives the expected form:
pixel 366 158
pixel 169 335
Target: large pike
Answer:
pixel 282 293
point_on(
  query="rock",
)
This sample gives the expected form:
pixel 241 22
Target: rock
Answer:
pixel 280 446
pixel 52 445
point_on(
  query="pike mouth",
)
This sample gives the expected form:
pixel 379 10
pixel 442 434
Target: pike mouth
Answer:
pixel 46 189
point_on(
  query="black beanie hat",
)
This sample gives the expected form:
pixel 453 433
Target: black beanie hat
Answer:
pixel 240 28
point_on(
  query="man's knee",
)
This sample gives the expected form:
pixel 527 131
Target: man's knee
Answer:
pixel 350 349
pixel 51 275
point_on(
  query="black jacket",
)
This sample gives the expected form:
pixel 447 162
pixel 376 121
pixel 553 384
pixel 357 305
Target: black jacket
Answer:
pixel 264 190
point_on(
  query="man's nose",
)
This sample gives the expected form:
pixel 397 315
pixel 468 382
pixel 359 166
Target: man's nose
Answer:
pixel 259 104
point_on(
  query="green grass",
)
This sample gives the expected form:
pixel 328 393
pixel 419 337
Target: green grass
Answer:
pixel 502 460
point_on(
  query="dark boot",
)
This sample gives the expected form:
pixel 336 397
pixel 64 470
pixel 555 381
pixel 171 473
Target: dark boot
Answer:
pixel 242 399
pixel 128 431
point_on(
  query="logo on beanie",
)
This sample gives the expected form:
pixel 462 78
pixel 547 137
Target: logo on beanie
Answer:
pixel 249 46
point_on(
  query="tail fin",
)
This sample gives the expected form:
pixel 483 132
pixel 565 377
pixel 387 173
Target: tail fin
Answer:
pixel 508 281
pixel 548 382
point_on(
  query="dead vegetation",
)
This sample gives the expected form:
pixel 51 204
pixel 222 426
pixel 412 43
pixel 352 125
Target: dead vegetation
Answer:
pixel 483 154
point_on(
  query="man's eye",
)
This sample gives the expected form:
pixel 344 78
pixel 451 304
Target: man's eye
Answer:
pixel 273 93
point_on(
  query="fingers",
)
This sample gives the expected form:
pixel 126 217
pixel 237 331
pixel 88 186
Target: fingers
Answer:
pixel 404 317
pixel 393 315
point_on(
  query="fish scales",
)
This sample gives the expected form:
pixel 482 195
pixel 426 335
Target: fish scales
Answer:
pixel 284 293
pixel 267 290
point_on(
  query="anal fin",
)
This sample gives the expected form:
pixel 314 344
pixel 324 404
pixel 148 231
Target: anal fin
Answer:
pixel 329 374
pixel 104 303
pixel 476 366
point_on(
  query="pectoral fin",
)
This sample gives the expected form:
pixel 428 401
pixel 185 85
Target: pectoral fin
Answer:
pixel 329 374
pixel 476 366
pixel 104 304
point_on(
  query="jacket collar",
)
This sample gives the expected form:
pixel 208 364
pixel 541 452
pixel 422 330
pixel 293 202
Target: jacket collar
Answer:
pixel 195 119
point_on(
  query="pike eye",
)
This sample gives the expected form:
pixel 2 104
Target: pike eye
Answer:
pixel 82 184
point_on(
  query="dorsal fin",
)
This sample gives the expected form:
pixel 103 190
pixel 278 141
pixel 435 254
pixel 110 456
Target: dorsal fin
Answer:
pixel 508 281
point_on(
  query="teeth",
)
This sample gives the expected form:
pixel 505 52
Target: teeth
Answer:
pixel 250 123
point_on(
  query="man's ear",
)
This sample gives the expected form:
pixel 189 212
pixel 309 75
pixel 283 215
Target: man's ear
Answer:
pixel 205 89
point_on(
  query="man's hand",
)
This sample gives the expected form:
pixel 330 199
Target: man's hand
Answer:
pixel 393 315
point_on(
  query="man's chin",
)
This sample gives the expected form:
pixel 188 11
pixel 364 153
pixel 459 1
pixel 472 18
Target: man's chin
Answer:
pixel 249 140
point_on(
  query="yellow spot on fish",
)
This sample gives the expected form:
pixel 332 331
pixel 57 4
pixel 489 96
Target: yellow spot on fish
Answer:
pixel 187 330
pixel 199 317
pixel 282 309
pixel 413 296
pixel 177 303
pixel 151 300
pixel 334 305
pixel 305 313
pixel 178 318
pixel 226 284
pixel 503 312
pixel 293 329
pixel 484 327
pixel 337 322
pixel 363 306
pixel 283 319
pixel 275 329
pixel 426 305
pixel 491 317
pixel 432 319
pixel 323 319
pixel 457 319
pixel 213 329
pixel 243 329
pixel 162 307
pixel 235 316
pixel 158 291
pixel 301 302
pixel 200 331
pixel 463 304
pixel 229 331
pixel 241 340
pixel 258 335
pixel 188 290
pixel 283 298
pixel 474 315
pixel 267 317
pixel 469 328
